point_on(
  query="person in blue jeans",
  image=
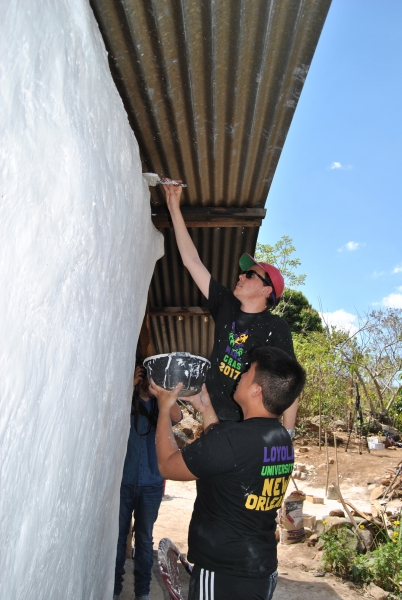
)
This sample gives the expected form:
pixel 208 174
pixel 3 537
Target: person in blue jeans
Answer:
pixel 141 487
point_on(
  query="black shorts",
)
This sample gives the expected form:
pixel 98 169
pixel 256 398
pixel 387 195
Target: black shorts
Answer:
pixel 207 585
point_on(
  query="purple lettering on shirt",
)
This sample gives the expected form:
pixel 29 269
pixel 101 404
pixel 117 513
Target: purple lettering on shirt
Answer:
pixel 274 453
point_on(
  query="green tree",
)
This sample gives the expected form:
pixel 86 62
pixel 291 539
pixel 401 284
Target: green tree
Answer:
pixel 328 377
pixel 280 255
pixel 298 312
pixel 374 353
pixel 396 411
pixel 294 306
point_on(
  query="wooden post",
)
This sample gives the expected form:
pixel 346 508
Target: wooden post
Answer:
pixel 326 449
pixel 319 423
pixel 336 459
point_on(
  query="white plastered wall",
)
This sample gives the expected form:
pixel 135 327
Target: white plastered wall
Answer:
pixel 77 253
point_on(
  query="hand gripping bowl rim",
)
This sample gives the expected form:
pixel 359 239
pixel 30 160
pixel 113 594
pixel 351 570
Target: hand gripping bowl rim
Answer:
pixel 188 390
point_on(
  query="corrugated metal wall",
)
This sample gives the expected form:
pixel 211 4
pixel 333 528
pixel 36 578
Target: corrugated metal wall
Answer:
pixel 210 88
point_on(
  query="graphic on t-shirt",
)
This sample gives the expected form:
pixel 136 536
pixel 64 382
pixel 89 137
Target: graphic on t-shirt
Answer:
pixel 231 363
pixel 276 478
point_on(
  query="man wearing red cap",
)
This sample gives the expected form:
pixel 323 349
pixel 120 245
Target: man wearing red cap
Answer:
pixel 242 318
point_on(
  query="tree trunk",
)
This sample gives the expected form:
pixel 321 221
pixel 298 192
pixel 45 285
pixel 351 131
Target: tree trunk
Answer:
pixel 361 381
pixel 377 387
pixel 390 403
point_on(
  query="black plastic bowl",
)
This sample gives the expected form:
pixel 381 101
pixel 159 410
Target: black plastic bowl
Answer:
pixel 167 370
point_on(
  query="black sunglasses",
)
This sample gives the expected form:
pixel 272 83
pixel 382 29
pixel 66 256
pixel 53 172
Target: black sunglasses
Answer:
pixel 250 274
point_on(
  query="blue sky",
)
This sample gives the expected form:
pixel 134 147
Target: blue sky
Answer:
pixel 337 190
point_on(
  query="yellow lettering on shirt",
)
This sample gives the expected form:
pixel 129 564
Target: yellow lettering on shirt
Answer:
pixel 272 494
pixel 261 503
pixel 276 486
pixel 267 489
pixel 251 501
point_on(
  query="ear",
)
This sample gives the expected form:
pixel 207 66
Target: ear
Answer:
pixel 256 390
pixel 266 290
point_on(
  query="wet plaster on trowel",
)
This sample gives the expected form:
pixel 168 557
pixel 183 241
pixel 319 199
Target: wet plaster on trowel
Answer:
pixel 78 251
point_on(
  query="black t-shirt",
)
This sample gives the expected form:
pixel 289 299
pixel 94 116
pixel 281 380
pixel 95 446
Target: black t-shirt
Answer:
pixel 243 470
pixel 236 333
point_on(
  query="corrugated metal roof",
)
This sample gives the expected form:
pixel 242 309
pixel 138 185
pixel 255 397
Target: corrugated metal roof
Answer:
pixel 210 88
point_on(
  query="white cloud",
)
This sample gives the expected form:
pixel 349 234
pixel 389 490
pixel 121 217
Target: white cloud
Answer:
pixel 398 269
pixel 338 165
pixel 393 300
pixel 341 320
pixel 351 246
pixel 378 274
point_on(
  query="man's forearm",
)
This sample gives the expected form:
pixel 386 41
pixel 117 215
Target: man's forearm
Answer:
pixel 289 416
pixel 165 441
pixel 170 460
pixel 185 244
pixel 188 252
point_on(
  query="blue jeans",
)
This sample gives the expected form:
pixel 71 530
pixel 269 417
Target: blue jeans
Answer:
pixel 145 502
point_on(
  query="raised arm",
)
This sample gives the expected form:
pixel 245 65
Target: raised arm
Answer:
pixel 188 251
pixel 170 460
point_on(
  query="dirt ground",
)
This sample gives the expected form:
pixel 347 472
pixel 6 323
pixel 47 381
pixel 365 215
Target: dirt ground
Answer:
pixel 299 564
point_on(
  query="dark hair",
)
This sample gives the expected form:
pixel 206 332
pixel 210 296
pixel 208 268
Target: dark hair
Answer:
pixel 280 376
pixel 271 300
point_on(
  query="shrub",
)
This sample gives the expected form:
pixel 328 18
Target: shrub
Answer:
pixel 339 551
pixel 382 566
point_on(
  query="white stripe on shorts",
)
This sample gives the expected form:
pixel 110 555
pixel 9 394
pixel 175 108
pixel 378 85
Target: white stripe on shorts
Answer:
pixel 202 584
pixel 207 585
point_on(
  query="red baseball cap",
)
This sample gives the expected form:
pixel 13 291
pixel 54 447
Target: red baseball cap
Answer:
pixel 246 261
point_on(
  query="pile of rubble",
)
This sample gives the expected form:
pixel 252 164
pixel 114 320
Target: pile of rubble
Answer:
pixel 308 431
pixel 368 527
pixel 391 485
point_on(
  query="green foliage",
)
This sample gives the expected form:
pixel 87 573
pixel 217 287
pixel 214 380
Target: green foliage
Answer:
pixel 298 312
pixel 396 411
pixel 382 566
pixel 280 255
pixel 372 356
pixel 339 551
pixel 294 306
pixel 374 353
pixel 328 378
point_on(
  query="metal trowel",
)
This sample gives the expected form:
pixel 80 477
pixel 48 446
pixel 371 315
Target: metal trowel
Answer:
pixel 153 179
